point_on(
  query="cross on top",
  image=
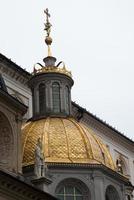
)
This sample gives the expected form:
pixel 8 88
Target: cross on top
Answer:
pixel 47 24
pixel 47 14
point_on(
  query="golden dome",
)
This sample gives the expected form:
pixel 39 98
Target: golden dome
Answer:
pixel 64 141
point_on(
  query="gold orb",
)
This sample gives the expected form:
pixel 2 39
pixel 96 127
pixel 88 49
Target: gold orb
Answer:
pixel 48 40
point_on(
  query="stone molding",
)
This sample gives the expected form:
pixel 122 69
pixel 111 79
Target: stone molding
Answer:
pixel 16 187
pixel 92 167
pixel 16 73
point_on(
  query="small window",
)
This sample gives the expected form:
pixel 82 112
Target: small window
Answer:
pixel 42 98
pixel 56 97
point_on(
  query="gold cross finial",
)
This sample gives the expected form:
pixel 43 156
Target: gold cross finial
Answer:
pixel 47 24
pixel 47 14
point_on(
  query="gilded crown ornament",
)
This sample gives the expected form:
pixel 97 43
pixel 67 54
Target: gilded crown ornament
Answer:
pixel 52 69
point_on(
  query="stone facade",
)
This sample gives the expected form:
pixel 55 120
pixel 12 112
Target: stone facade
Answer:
pixel 94 181
pixel 11 113
pixel 16 80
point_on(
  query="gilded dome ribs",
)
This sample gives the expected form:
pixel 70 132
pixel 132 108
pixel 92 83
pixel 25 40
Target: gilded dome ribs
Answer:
pixel 57 138
pixel 46 138
pixel 108 159
pixel 102 152
pixel 85 139
pixel 24 153
pixel 105 157
pixel 97 154
pixel 64 140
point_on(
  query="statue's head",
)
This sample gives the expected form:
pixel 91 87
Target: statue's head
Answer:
pixel 39 143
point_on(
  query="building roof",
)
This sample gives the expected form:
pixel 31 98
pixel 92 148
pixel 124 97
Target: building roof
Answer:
pixel 83 110
pixel 13 65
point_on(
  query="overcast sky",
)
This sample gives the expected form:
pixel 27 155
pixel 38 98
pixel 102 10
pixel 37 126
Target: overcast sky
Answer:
pixel 95 38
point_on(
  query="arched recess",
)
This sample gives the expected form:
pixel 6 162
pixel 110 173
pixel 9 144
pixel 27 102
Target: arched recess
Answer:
pixel 72 189
pixel 56 97
pixel 111 193
pixel 6 142
pixel 67 100
pixel 42 98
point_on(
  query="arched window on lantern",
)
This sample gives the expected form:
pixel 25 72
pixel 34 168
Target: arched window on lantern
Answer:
pixel 56 97
pixel 42 98
pixel 67 100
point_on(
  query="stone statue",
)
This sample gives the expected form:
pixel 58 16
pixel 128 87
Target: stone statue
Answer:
pixel 39 160
pixel 119 166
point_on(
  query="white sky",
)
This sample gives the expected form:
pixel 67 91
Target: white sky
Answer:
pixel 95 38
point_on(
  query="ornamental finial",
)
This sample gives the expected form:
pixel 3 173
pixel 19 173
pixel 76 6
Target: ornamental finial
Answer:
pixel 48 39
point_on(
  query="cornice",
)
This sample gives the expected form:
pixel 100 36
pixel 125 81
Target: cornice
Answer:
pixel 11 69
pixel 17 187
pixel 92 167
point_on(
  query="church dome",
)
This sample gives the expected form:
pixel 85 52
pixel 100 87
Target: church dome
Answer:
pixel 64 140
